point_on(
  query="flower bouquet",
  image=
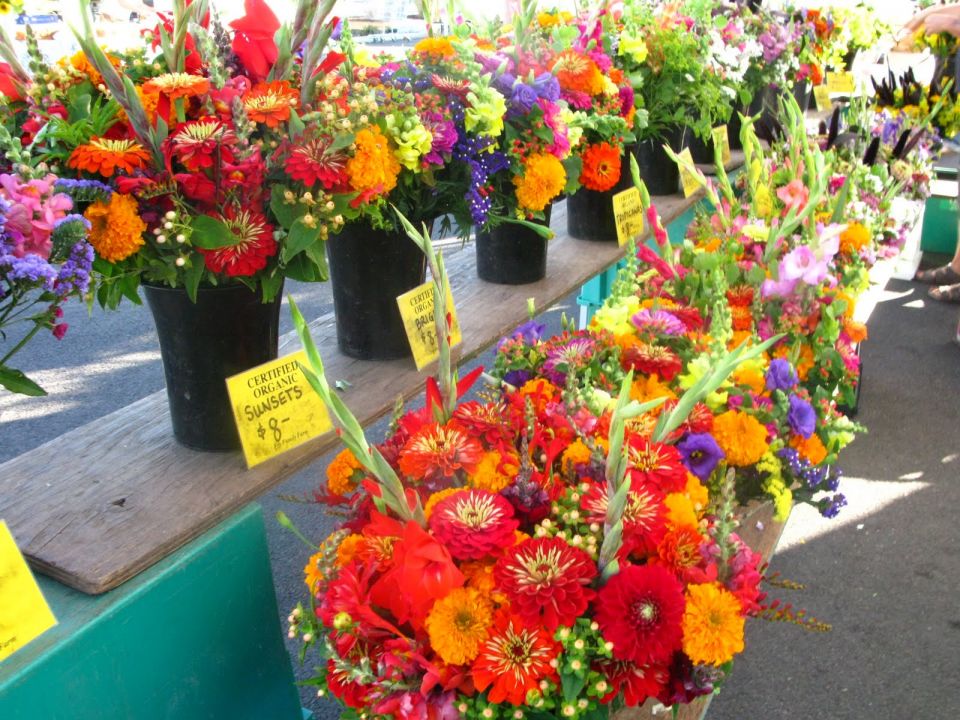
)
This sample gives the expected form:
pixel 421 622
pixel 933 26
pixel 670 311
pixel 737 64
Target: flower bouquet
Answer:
pixel 170 151
pixel 522 556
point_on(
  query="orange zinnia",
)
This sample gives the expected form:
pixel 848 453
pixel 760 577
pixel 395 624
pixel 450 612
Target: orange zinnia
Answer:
pixel 105 157
pixel 601 167
pixel 270 102
pixel 177 85
pixel 578 72
pixel 437 48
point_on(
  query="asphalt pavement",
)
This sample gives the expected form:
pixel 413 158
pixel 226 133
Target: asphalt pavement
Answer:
pixel 885 574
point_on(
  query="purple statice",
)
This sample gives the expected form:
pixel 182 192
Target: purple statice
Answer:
pixel 482 163
pixel 659 321
pixel 801 416
pixel 74 274
pixel 29 270
pixel 780 375
pixel 547 87
pixel 84 191
pixel 701 454
pixel 518 378
pixel 829 507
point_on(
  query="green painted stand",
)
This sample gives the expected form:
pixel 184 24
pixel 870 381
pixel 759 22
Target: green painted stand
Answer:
pixel 195 636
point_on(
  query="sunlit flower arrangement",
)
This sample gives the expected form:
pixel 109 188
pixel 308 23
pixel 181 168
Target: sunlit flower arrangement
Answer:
pixel 175 146
pixel 522 555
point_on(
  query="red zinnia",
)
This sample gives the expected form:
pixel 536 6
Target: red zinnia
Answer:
pixel 351 692
pixel 438 452
pixel 656 465
pixel 644 520
pixel 254 245
pixel 311 161
pixel 640 610
pixel 473 523
pixel 548 577
pixel 649 359
pixel 680 548
pixel 740 296
pixel 514 660
pixel 700 419
pixel 635 682
pixel 490 421
pixel 601 167
pixel 195 143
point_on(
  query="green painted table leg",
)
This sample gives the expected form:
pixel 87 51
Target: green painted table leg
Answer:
pixel 196 636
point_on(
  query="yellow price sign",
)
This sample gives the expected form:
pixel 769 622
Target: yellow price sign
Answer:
pixel 721 139
pixel 688 180
pixel 841 83
pixel 25 614
pixel 416 309
pixel 275 408
pixel 821 96
pixel 628 214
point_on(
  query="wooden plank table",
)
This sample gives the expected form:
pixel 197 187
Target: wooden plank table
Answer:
pixel 104 502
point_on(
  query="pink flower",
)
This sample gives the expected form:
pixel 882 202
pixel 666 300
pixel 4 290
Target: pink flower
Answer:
pixel 60 330
pixel 34 210
pixel 794 195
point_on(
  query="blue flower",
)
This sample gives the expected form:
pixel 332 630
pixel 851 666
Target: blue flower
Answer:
pixel 523 98
pixel 547 87
pixel 701 454
pixel 801 416
pixel 780 375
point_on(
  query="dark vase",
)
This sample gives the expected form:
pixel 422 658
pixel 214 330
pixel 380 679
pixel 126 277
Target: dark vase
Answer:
pixel 228 330
pixel 700 150
pixel 734 126
pixel 368 270
pixel 590 212
pixel 764 104
pixel 659 173
pixel 849 58
pixel 802 92
pixel 512 254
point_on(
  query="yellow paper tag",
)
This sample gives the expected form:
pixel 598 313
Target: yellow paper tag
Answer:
pixel 275 408
pixel 841 82
pixel 689 181
pixel 628 214
pixel 25 614
pixel 416 309
pixel 721 138
pixel 821 96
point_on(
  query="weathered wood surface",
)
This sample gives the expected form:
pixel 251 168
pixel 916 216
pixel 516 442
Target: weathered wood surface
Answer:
pixel 107 500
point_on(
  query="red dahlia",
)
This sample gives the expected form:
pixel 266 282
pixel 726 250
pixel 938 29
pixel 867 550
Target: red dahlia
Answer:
pixel 656 465
pixel 254 244
pixel 546 580
pixel 438 451
pixel 640 610
pixel 473 523
pixel 649 359
pixel 514 660
pixel 644 520
pixel 635 682
pixel 312 161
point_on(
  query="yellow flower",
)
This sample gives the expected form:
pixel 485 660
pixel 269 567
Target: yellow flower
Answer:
pixel 543 179
pixel 649 387
pixel 488 475
pixel 343 473
pixel 413 141
pixel 576 454
pixel 350 548
pixel 615 318
pixel 742 437
pixel 680 510
pixel 116 229
pixel 459 624
pixel 712 624
pixel 763 202
pixel 697 492
pixel 312 573
pixel 437 497
pixel 436 48
pixel 854 238
pixel 634 47
pixel 485 112
pixel 373 167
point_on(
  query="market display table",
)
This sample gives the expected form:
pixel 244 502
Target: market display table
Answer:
pixel 195 636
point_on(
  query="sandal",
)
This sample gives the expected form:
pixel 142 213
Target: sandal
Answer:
pixel 946 293
pixel 945 275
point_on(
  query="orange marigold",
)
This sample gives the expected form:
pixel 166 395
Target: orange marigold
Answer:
pixel 312 572
pixel 712 624
pixel 350 548
pixel 649 387
pixel 78 61
pixel 601 167
pixel 750 377
pixel 543 179
pixel 856 331
pixel 854 238
pixel 436 48
pixel 270 102
pixel 578 72
pixel 177 85
pixel 680 510
pixel 697 492
pixel 105 157
pixel 493 473
pixel 373 167
pixel 811 449
pixel 437 497
pixel 459 624
pixel 344 473
pixel 479 574
pixel 577 453
pixel 742 437
pixel 116 228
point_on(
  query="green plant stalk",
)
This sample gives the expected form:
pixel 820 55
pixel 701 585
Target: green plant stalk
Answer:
pixel 393 495
pixel 317 38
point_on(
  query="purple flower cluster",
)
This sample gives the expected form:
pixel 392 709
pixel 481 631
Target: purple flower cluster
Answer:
pixel 474 151
pixel 659 321
pixel 815 479
pixel 523 97
pixel 701 453
pixel 780 375
pixel 801 416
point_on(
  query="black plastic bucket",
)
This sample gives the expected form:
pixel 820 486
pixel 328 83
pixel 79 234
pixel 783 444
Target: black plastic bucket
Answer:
pixel 512 254
pixel 590 212
pixel 660 174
